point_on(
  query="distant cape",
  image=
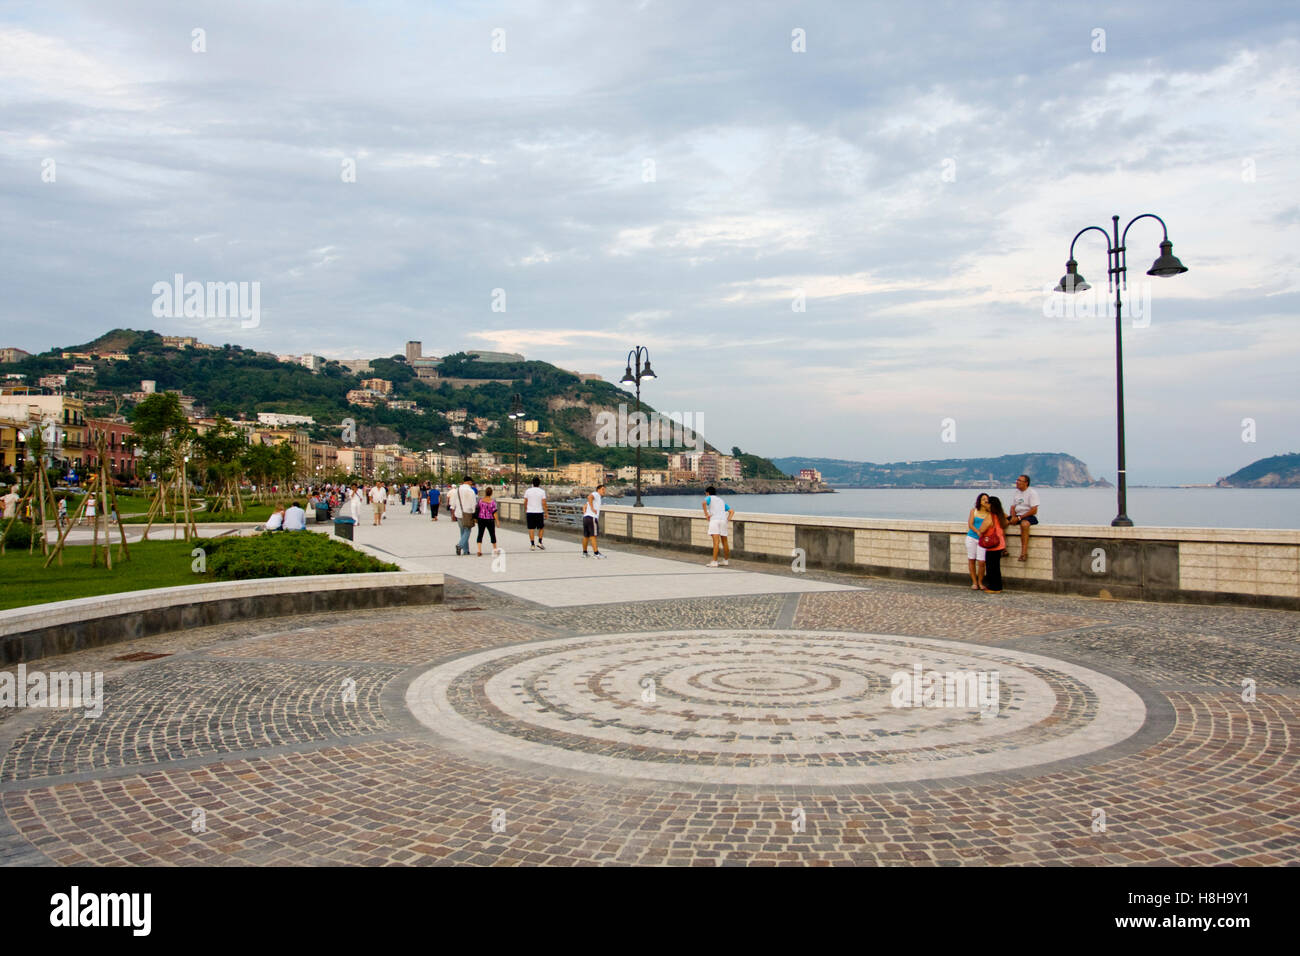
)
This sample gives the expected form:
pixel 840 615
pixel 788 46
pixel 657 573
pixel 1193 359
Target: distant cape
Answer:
pixel 1045 469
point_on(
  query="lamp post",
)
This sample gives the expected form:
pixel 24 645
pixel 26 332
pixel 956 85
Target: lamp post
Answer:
pixel 635 372
pixel 516 413
pixel 442 465
pixel 1166 264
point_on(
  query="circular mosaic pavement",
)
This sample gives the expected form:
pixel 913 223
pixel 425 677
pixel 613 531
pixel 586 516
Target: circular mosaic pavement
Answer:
pixel 774 707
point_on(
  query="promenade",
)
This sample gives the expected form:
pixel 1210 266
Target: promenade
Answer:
pixel 647 709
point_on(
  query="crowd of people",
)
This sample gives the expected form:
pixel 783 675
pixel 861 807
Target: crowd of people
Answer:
pixel 988 523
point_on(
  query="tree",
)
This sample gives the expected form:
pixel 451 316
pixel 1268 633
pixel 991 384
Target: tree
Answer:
pixel 221 449
pixel 160 422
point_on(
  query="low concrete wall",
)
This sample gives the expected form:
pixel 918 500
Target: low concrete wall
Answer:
pixel 44 630
pixel 1192 565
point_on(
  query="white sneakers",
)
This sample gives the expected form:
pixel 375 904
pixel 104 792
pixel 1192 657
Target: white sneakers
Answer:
pixel 723 563
pixel 713 564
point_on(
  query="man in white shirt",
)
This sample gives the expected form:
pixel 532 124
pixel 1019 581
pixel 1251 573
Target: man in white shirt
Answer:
pixel 718 512
pixel 1024 512
pixel 591 521
pixel 465 501
pixel 10 502
pixel 379 498
pixel 295 519
pixel 535 514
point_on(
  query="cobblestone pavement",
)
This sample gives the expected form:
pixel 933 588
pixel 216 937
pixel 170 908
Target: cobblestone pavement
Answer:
pixel 494 731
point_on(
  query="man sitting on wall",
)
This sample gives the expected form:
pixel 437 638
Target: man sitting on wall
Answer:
pixel 1024 512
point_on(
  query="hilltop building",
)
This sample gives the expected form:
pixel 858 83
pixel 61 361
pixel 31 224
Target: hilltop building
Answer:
pixel 11 354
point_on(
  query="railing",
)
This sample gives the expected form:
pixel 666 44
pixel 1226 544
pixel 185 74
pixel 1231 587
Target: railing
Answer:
pixel 565 515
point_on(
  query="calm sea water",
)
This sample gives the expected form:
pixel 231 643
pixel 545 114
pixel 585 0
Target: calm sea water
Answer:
pixel 1150 507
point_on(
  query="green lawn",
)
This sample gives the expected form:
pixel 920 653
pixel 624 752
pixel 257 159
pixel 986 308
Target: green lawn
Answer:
pixel 153 564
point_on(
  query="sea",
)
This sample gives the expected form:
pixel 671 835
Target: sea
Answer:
pixel 1147 507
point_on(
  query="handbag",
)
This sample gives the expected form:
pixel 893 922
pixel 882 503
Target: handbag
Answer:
pixel 990 540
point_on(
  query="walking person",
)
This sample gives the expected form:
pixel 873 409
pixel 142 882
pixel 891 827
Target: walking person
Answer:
pixel 487 520
pixel 354 503
pixel 719 514
pixel 434 496
pixel 1024 512
pixel 379 500
pixel 591 521
pixel 466 505
pixel 975 555
pixel 993 534
pixel 535 514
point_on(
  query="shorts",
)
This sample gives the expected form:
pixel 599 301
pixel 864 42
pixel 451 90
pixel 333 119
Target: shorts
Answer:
pixel 536 520
pixel 588 526
pixel 973 550
pixel 1032 519
pixel 718 527
pixel 380 505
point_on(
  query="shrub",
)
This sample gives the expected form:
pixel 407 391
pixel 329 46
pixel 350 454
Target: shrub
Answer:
pixel 286 554
pixel 19 536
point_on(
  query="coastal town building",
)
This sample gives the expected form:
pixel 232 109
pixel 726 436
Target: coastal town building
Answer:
pixel 584 473
pixel 119 443
pixel 10 354
pixel 380 385
pixel 280 419
pixel 810 474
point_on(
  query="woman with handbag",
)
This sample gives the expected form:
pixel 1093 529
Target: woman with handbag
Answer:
pixel 975 553
pixel 993 538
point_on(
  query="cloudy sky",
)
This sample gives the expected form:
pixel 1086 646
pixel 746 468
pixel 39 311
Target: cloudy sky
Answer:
pixel 682 176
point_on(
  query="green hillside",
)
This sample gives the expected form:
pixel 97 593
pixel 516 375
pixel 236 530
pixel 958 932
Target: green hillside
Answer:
pixel 1279 471
pixel 234 380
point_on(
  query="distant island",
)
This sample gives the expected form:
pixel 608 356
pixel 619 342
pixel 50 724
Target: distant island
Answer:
pixel 1046 469
pixel 1279 471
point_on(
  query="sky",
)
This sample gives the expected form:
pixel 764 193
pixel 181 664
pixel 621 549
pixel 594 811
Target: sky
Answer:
pixel 834 226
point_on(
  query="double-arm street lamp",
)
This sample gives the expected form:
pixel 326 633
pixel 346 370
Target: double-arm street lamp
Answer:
pixel 635 372
pixel 1116 274
pixel 516 413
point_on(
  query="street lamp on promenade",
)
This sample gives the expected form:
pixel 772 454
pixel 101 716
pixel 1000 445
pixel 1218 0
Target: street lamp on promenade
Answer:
pixel 442 465
pixel 635 372
pixel 1166 264
pixel 516 413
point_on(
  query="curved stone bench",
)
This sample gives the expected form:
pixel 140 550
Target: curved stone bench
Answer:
pixel 43 630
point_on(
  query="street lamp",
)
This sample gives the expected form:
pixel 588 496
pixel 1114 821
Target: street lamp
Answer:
pixel 1166 264
pixel 635 372
pixel 516 413
pixel 442 465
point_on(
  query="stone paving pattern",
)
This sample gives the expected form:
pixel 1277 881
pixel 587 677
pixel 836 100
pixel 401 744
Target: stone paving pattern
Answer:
pixel 242 721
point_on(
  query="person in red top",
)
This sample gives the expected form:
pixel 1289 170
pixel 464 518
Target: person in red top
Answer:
pixel 487 520
pixel 996 525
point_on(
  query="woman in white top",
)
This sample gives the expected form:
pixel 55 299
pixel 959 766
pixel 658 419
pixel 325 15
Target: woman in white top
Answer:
pixel 718 512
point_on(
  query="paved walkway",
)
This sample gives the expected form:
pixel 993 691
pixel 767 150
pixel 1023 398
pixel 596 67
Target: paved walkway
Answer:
pixel 650 710
pixel 560 576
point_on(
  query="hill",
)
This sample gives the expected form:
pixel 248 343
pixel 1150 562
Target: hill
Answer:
pixel 1047 469
pixel 1279 471
pixel 234 381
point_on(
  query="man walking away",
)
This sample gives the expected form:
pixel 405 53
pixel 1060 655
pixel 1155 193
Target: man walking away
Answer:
pixel 434 497
pixel 1024 512
pixel 535 514
pixel 718 512
pixel 467 510
pixel 591 521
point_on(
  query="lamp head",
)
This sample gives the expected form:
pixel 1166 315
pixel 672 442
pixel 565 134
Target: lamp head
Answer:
pixel 648 372
pixel 627 378
pixel 1072 282
pixel 1167 263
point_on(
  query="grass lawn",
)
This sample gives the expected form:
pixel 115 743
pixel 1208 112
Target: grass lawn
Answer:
pixel 153 564
pixel 258 513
